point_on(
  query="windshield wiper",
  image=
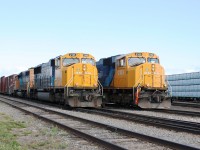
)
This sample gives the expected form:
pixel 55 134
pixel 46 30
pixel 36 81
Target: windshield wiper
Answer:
pixel 136 64
pixel 69 64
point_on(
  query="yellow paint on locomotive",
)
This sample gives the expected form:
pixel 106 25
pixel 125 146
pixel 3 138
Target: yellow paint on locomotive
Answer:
pixel 149 75
pixel 76 75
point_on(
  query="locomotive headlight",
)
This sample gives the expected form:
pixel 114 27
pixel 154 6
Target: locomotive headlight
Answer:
pixel 153 67
pixel 164 85
pixel 84 67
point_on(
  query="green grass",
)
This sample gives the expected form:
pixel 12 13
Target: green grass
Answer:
pixel 53 131
pixel 7 138
pixel 25 133
pixel 46 144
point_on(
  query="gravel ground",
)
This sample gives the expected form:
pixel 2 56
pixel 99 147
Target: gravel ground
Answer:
pixel 179 137
pixel 40 135
pixel 162 115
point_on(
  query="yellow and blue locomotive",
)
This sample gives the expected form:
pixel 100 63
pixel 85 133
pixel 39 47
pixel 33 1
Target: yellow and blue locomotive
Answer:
pixel 71 79
pixel 134 79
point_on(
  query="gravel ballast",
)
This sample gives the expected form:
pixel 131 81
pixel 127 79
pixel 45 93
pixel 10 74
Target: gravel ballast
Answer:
pixel 179 137
pixel 41 135
pixel 162 115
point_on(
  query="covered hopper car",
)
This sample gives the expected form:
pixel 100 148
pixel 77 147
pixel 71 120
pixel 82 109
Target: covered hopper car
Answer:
pixel 134 79
pixel 185 86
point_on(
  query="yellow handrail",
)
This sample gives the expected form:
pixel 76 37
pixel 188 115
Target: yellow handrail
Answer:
pixel 67 85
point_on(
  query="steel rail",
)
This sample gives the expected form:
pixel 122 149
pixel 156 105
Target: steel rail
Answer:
pixel 177 112
pixel 178 125
pixel 186 104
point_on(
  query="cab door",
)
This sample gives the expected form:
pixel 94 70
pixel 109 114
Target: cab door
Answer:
pixel 120 78
pixel 58 73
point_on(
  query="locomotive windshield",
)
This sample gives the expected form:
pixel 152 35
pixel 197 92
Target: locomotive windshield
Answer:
pixel 153 60
pixel 88 61
pixel 134 61
pixel 70 61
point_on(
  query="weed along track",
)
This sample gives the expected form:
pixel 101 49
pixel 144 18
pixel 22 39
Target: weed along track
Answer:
pixel 7 137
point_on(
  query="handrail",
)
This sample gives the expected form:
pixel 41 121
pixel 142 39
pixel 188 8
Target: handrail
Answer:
pixel 141 77
pixel 67 85
pixel 135 85
pixel 100 87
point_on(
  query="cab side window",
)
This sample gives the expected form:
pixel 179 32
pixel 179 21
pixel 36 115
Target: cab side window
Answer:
pixel 122 62
pixel 57 62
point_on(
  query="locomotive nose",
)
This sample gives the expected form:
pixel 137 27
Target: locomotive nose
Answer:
pixel 154 78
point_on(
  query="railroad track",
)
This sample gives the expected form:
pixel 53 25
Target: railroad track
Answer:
pixel 179 112
pixel 170 111
pixel 186 104
pixel 178 125
pixel 107 136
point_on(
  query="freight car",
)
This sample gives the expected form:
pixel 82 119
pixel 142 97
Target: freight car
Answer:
pixel 7 84
pixel 3 85
pixel 134 79
pixel 10 84
pixel 185 86
pixel 70 79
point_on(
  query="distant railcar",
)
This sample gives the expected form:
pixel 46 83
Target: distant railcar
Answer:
pixel 11 84
pixel 185 86
pixel 3 85
pixel 134 79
